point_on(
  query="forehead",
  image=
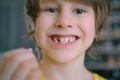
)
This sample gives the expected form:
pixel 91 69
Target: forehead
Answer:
pixel 87 2
pixel 68 0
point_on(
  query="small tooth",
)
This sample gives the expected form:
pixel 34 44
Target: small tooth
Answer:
pixel 69 40
pixel 55 40
pixel 62 40
pixel 66 40
pixel 72 39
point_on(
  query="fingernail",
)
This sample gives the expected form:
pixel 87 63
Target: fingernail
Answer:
pixel 42 78
pixel 30 49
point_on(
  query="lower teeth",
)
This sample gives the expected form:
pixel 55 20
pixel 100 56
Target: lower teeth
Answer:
pixel 62 42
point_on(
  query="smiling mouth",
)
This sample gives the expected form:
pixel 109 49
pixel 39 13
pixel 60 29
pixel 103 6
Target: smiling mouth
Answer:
pixel 64 39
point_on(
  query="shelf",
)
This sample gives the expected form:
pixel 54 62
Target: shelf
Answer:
pixel 107 56
pixel 115 4
pixel 110 35
pixel 102 66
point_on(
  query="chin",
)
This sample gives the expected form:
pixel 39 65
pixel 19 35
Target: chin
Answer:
pixel 64 57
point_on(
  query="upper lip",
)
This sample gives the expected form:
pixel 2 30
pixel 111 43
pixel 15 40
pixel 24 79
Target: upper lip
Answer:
pixel 65 35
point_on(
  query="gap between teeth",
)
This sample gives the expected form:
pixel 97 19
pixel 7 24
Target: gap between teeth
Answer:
pixel 64 40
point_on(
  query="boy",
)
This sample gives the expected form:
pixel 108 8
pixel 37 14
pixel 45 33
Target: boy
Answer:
pixel 63 30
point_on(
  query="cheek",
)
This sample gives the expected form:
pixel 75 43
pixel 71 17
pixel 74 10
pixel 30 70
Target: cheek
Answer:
pixel 45 20
pixel 89 27
pixel 43 24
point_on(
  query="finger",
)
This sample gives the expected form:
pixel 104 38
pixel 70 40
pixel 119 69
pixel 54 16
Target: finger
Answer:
pixel 12 53
pixel 24 69
pixel 12 61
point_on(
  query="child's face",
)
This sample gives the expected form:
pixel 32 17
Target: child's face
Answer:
pixel 64 30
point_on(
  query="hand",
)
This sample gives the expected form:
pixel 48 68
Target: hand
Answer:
pixel 19 64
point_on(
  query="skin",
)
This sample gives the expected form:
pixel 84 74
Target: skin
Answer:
pixel 64 19
pixel 60 61
pixel 19 64
pixel 66 22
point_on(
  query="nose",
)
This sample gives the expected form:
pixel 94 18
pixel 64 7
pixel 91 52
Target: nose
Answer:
pixel 64 21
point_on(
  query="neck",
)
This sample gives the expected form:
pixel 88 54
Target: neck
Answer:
pixel 73 70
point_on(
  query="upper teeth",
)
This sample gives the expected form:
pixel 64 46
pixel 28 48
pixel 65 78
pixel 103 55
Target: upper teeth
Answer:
pixel 64 40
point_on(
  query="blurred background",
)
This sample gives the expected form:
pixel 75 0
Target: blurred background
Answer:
pixel 106 63
pixel 12 25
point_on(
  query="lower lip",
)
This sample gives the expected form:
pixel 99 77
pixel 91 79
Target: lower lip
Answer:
pixel 68 45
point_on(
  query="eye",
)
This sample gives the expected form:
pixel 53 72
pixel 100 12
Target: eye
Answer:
pixel 52 10
pixel 79 11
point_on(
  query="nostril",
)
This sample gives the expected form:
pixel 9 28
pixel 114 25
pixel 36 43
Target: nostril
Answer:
pixel 69 26
pixel 64 26
pixel 59 26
